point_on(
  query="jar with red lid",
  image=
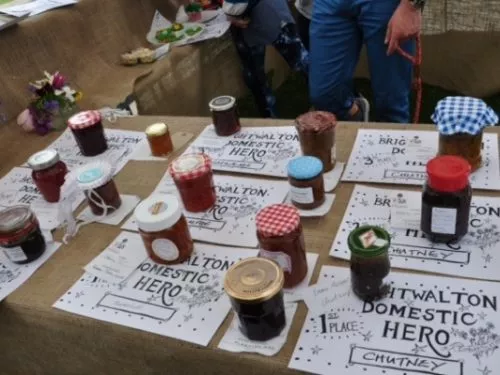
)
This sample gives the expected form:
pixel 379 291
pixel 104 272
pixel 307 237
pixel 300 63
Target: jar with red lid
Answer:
pixel 96 180
pixel 21 239
pixel 281 239
pixel 193 176
pixel 225 115
pixel 446 199
pixel 89 132
pixel 164 229
pixel 48 174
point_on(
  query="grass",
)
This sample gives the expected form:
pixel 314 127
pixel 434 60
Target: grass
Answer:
pixel 292 99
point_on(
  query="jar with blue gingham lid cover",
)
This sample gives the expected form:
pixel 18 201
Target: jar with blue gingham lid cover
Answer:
pixel 307 187
pixel 460 121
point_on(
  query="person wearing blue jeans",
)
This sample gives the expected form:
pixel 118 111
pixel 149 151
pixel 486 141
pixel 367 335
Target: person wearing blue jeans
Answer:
pixel 338 30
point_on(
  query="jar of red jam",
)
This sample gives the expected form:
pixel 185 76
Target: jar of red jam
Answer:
pixel 159 139
pixel 317 136
pixel 225 115
pixel 307 187
pixel 164 229
pixel 281 239
pixel 446 199
pixel 21 239
pixel 89 132
pixel 48 174
pixel 193 176
pixel 96 180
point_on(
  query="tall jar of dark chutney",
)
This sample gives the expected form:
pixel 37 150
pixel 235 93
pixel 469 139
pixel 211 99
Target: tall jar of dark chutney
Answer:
pixel 446 199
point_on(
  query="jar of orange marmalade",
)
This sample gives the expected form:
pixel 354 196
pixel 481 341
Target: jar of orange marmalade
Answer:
pixel 159 139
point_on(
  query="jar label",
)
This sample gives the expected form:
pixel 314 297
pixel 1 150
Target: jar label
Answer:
pixel 165 249
pixel 444 220
pixel 158 208
pixel 283 259
pixel 90 175
pixel 301 195
pixel 188 163
pixel 15 254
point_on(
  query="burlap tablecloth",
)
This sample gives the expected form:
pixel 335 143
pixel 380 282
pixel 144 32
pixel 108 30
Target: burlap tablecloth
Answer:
pixel 38 339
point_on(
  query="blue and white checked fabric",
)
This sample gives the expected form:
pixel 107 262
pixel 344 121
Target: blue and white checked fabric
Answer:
pixel 463 114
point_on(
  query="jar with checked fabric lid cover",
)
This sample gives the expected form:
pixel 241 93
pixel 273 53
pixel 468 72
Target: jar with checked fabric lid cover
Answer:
pixel 89 132
pixel 307 187
pixel 193 176
pixel 281 239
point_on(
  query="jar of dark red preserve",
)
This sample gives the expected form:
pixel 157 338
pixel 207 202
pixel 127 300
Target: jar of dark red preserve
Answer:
pixel 225 115
pixel 89 132
pixel 48 174
pixel 446 199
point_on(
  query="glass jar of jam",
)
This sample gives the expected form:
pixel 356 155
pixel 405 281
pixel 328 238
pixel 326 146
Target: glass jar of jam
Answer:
pixel 193 176
pixel 96 180
pixel 159 139
pixel 317 136
pixel 255 289
pixel 20 236
pixel 164 229
pixel 307 188
pixel 446 199
pixel 370 262
pixel 48 174
pixel 465 145
pixel 225 115
pixel 89 132
pixel 281 239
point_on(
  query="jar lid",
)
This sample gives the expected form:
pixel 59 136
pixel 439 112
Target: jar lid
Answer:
pixel 14 218
pixel 222 103
pixel 305 167
pixel 156 130
pixel 158 212
pixel 84 119
pixel 369 241
pixel 448 173
pixel 277 220
pixel 93 175
pixel 254 280
pixel 316 121
pixel 190 166
pixel 43 159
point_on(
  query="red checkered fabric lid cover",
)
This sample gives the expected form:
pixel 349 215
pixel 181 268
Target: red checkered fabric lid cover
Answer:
pixel 190 166
pixel 277 220
pixel 84 119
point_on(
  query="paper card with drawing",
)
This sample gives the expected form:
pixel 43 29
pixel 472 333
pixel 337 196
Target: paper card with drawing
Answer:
pixel 400 157
pixel 231 221
pixel 185 301
pixel 17 188
pixel 425 325
pixel 474 256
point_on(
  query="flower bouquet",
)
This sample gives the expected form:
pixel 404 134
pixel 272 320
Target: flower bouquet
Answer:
pixel 193 11
pixel 52 104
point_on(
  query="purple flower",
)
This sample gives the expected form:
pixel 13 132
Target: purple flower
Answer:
pixel 58 81
pixel 51 105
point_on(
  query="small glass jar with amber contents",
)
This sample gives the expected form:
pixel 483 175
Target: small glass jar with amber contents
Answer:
pixel 48 173
pixel 164 229
pixel 317 136
pixel 255 289
pixel 225 115
pixel 89 132
pixel 159 139
pixel 370 262
pixel 307 187
pixel 465 145
pixel 281 239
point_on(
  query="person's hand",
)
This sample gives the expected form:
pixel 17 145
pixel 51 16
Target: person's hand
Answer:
pixel 242 23
pixel 404 25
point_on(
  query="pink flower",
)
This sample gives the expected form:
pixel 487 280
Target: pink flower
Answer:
pixel 25 121
pixel 58 81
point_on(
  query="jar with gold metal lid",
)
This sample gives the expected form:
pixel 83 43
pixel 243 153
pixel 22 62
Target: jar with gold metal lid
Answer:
pixel 159 139
pixel 255 288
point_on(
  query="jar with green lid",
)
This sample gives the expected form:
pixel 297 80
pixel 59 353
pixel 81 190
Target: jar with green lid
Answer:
pixel 370 262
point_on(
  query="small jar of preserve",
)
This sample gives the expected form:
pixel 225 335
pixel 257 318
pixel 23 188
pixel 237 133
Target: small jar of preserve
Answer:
pixel 281 239
pixel 20 236
pixel 89 132
pixel 96 180
pixel 225 115
pixel 317 136
pixel 48 174
pixel 370 262
pixel 307 188
pixel 446 199
pixel 193 176
pixel 255 289
pixel 164 229
pixel 159 139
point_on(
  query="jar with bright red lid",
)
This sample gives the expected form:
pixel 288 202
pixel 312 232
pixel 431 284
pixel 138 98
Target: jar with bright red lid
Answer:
pixel 193 176
pixel 48 174
pixel 446 199
pixel 89 132
pixel 281 239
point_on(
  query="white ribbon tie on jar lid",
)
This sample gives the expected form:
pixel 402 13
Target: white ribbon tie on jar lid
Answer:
pixel 463 114
pixel 86 178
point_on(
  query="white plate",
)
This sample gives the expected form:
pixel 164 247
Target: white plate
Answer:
pixel 151 37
